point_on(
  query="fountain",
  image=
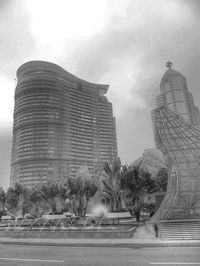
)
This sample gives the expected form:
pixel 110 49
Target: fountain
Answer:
pixel 34 222
pixel 47 221
pixel 98 224
pixel 90 218
pixel 18 227
pixel 102 218
pixel 73 220
pixel 62 225
pixel 11 223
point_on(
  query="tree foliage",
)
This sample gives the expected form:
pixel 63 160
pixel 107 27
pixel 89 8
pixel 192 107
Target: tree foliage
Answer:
pixel 17 200
pixel 80 192
pixel 54 195
pixel 111 183
pixel 2 202
pixel 50 197
pixel 128 183
pixel 2 197
pixel 135 184
pixel 37 203
pixel 161 179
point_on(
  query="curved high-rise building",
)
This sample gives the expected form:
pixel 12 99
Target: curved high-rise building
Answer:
pixel 176 124
pixel 62 124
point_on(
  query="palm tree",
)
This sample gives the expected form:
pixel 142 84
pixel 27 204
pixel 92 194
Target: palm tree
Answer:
pixel 90 189
pixel 2 202
pixel 135 184
pixel 111 183
pixel 37 203
pixel 17 200
pixel 81 189
pixel 55 196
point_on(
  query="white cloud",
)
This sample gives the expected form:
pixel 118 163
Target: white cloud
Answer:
pixel 123 91
pixel 56 21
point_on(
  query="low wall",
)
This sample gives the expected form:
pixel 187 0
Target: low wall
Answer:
pixel 68 234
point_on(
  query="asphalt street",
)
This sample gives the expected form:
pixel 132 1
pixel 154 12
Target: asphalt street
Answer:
pixel 96 256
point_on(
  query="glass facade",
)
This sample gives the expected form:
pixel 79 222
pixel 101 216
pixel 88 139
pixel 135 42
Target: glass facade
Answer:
pixel 61 123
pixel 177 134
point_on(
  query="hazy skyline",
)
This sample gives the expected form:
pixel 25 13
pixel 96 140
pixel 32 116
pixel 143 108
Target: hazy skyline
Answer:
pixel 124 43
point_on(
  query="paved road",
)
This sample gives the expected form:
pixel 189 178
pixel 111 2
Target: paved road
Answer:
pixel 97 256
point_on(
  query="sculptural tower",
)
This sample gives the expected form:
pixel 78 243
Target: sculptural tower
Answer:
pixel 176 124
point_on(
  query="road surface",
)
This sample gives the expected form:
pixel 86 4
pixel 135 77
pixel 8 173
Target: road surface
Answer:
pixel 97 256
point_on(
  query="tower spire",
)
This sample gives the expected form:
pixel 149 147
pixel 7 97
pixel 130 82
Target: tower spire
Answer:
pixel 169 64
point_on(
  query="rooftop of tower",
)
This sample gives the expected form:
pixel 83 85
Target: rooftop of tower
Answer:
pixel 38 65
pixel 169 73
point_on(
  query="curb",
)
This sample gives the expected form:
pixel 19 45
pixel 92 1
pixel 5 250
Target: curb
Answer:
pixel 102 244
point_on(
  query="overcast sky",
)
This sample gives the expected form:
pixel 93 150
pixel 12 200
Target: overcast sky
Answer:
pixel 124 43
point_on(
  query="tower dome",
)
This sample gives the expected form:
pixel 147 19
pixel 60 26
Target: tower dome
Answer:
pixel 170 75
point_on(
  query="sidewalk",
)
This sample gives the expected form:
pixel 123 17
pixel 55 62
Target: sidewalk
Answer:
pixel 137 243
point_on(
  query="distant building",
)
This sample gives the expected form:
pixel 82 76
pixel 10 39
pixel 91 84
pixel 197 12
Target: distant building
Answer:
pixel 152 161
pixel 176 127
pixel 62 124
